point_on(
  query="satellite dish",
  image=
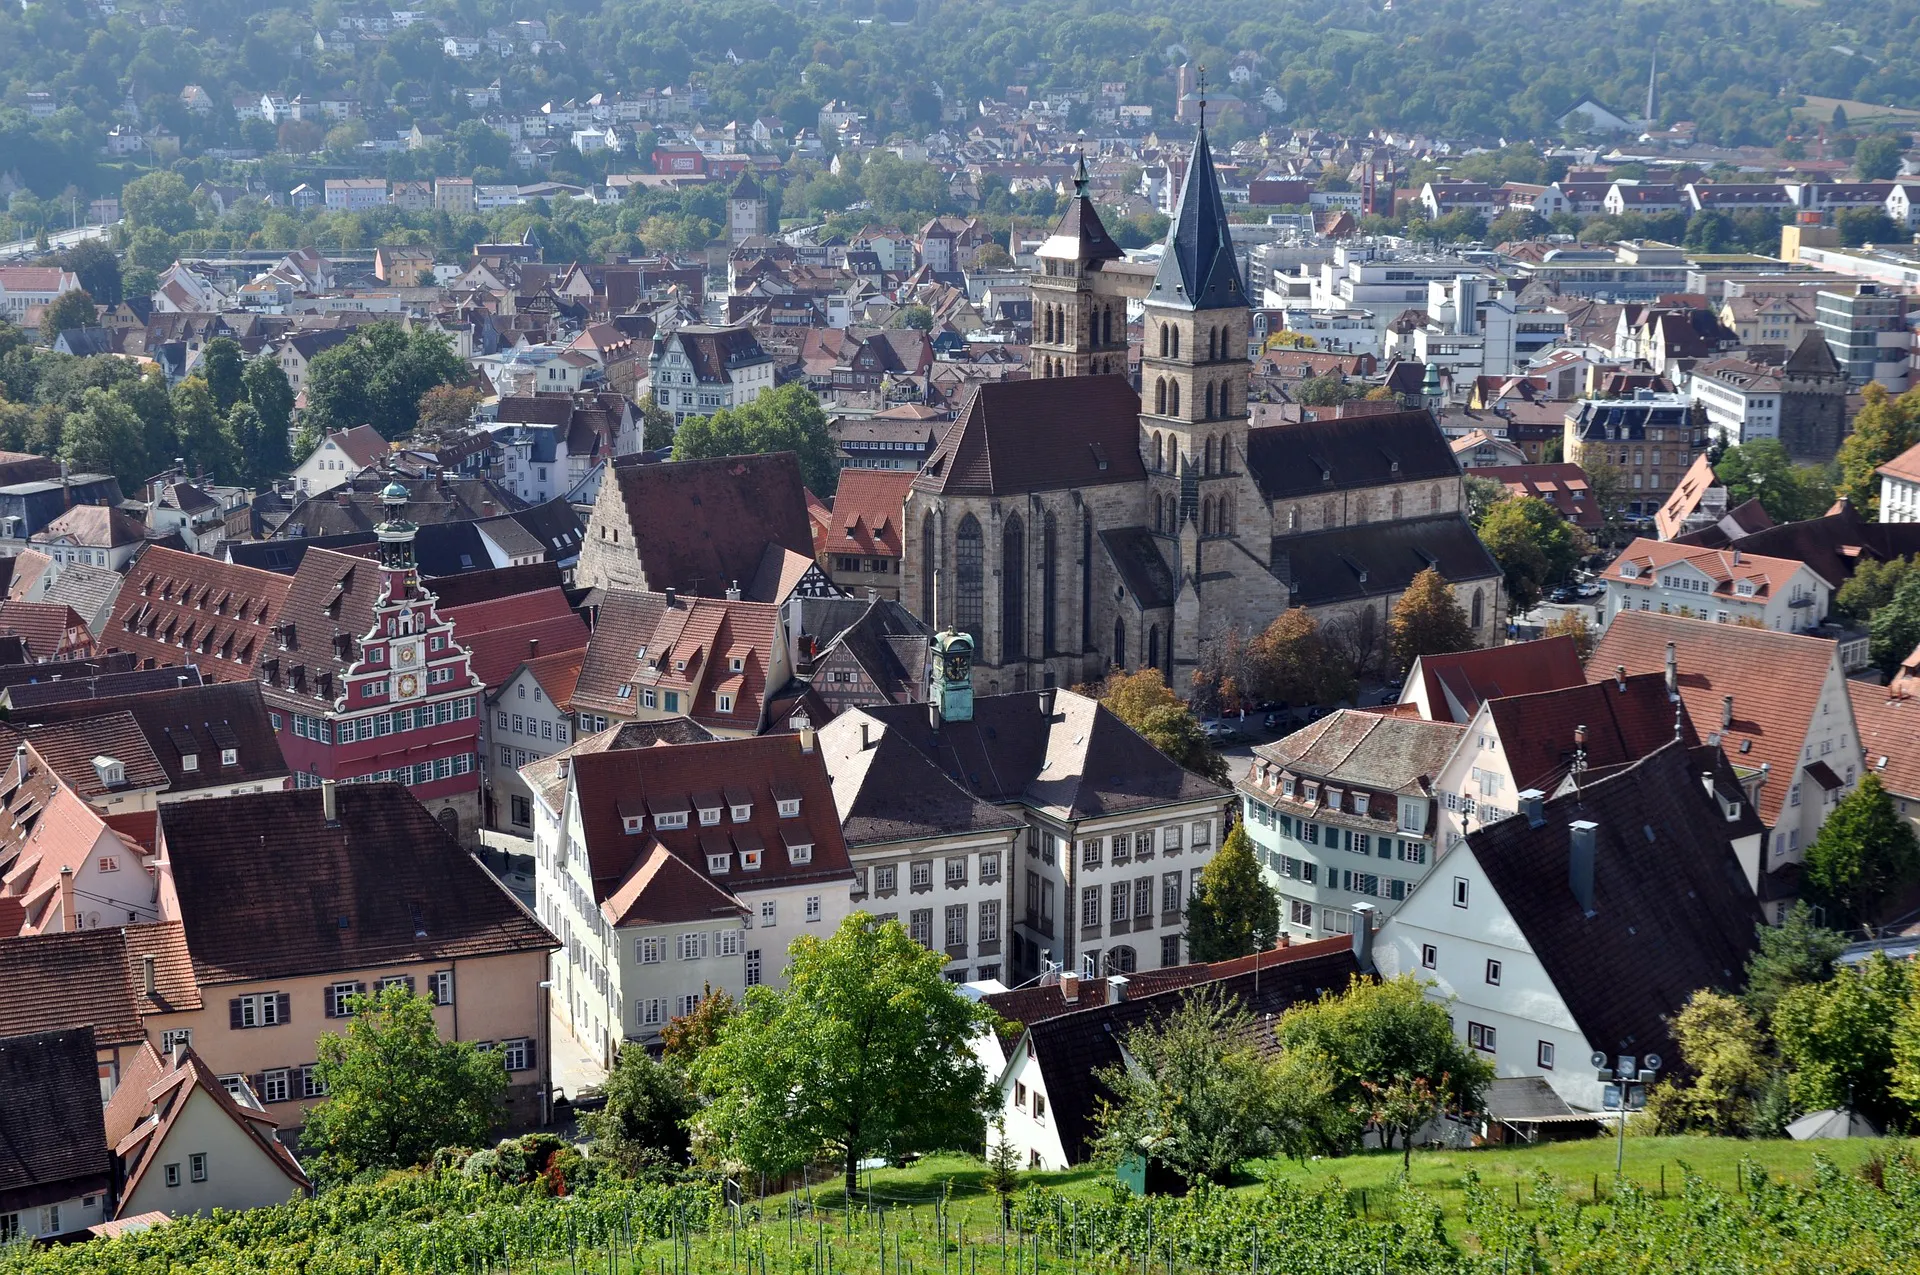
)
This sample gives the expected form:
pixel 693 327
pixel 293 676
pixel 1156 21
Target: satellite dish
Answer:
pixel 1599 1059
pixel 1651 1062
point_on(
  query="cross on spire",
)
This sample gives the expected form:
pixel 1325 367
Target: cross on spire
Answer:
pixel 1201 85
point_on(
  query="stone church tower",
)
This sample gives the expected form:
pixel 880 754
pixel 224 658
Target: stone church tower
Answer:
pixel 1079 315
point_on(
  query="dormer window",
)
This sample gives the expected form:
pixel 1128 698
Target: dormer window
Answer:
pixel 750 860
pixel 723 703
pixel 229 756
pixel 1313 792
pixel 1359 803
pixel 189 761
pixel 1744 588
pixel 802 853
pixel 790 808
pixel 718 863
pixel 679 666
pixel 632 824
pixel 676 819
pixel 1629 571
pixel 736 665
pixel 640 654
pixel 1288 785
pixel 709 816
pixel 1333 798
pixel 740 814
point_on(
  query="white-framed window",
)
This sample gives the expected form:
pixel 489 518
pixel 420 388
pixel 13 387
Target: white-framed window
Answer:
pixel 722 703
pixel 651 1011
pixel 197 1166
pixel 691 947
pixel 957 870
pixel 726 942
pixel 649 950
pixel 1543 1055
pixel 175 1036
pixel 261 1009
pixel 1429 956
pixel 310 1083
pixel 789 808
pixel 172 1174
pixel 276 1085
pixel 1493 973
pixel 517 1055
pixel 719 863
pixel 813 907
pixel 885 877
pixel 1459 892
pixel 989 866
pixel 801 853
pixel 676 819
pixel 750 860
pixel 769 913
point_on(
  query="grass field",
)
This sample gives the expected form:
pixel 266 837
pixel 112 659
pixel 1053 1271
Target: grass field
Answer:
pixel 1858 113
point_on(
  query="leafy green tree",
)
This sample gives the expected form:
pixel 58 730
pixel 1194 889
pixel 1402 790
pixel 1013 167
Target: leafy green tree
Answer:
pixel 1836 1037
pixel 151 400
pixel 1860 226
pixel 1427 620
pixel 396 1092
pixel 1884 427
pixel 1401 1105
pixel 1533 544
pixel 788 419
pixel 158 201
pixel 1877 158
pixel 656 425
pixel 1003 1167
pixel 270 393
pixel 1865 852
pixel 97 268
pixel 1232 912
pixel 1894 630
pixel 1763 470
pixel 864 1052
pixel 690 1035
pixel 1377 1033
pixel 917 317
pixel 1792 954
pixel 1483 496
pixel 1196 1095
pixel 1572 624
pixel 1143 701
pixel 201 430
pixel 138 281
pixel 378 378
pixel 222 364
pixel 1872 586
pixel 1725 1053
pixel 1516 225
pixel 447 410
pixel 103 437
pixel 1291 661
pixel 644 1125
pixel 1326 390
pixel 68 310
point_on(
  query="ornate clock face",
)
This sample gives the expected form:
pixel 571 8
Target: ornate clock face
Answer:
pixel 407 654
pixel 408 685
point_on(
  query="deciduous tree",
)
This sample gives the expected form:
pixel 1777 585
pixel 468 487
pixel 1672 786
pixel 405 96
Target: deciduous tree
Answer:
pixel 223 366
pixel 1865 851
pixel 1231 912
pixel 396 1092
pixel 1884 427
pixel 1762 470
pixel 1427 620
pixel 447 409
pixel 643 1126
pixel 864 1052
pixel 1894 629
pixel 1143 701
pixel 1792 954
pixel 1726 1055
pixel 1292 662
pixel 1573 624
pixel 788 419
pixel 685 1038
pixel 1836 1037
pixel 68 310
pixel 1532 543
pixel 103 437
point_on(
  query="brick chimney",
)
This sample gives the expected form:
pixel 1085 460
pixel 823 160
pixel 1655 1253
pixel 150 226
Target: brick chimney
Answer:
pixel 1070 986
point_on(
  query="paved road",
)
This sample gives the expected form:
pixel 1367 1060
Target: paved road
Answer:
pixel 65 239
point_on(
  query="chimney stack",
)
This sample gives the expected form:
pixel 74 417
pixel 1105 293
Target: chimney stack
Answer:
pixel 733 591
pixel 1673 670
pixel 1070 986
pixel 69 920
pixel 330 802
pixel 1046 702
pixel 533 648
pixel 1580 855
pixel 670 601
pixel 1531 802
pixel 1363 935
pixel 866 734
pixel 806 739
pixel 147 979
pixel 1726 711
pixel 1620 677
pixel 1116 988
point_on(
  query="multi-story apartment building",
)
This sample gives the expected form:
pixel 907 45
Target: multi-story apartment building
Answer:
pixel 1866 328
pixel 1723 585
pixel 699 369
pixel 356 194
pixel 529 717
pixel 673 872
pixel 1651 438
pixel 1346 810
pixel 1900 487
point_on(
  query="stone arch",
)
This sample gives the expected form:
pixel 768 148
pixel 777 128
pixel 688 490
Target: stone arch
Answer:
pixel 1394 504
pixel 969 578
pixel 1119 960
pixel 1106 325
pixel 448 818
pixel 929 557
pixel 1120 641
pixel 1153 647
pixel 1049 583
pixel 1361 505
pixel 1013 589
pixel 1093 327
pixel 1479 609
pixel 1165 339
pixel 1086 580
pixel 1332 513
pixel 1159 454
pixel 1160 395
pixel 1209 411
pixel 1173 398
pixel 1176 343
pixel 1433 499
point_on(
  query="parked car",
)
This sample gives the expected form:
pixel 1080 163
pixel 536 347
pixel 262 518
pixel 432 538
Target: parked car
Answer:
pixel 1271 721
pixel 1563 594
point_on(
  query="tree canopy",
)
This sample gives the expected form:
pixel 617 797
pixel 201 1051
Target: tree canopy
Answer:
pixel 1762 470
pixel 788 419
pixel 1864 852
pixel 1427 620
pixel 1143 701
pixel 1231 912
pixel 377 378
pixel 1533 544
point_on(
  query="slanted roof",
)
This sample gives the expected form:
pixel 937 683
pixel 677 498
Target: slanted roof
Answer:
pixel 887 790
pixel 1198 270
pixel 92 978
pixel 1889 736
pixel 663 889
pixel 548 776
pixel 180 608
pixel 1457 683
pixel 700 526
pixel 869 510
pixel 151 1102
pixel 501 634
pixel 385 884
pixel 202 720
pixel 1038 435
pixel 1672 911
pixel 1605 723
pixel 685 645
pixel 1312 458
pixel 1368 560
pixel 53 1143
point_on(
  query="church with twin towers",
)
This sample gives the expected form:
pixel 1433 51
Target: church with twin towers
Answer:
pixel 1075 523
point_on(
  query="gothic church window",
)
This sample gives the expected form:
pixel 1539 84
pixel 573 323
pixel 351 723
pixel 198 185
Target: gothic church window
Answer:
pixel 968 577
pixel 1013 590
pixel 1049 547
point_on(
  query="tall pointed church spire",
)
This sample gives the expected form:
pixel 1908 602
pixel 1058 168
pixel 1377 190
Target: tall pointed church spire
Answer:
pixel 1197 270
pixel 1653 100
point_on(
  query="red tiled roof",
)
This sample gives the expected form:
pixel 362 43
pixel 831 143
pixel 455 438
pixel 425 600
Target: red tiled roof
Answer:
pixel 1457 683
pixel 663 889
pixel 1725 568
pixel 63 837
pixel 629 788
pixel 1775 680
pixel 702 526
pixel 1889 737
pixel 150 1111
pixel 868 509
pixel 93 978
pixel 641 642
pixel 1905 467
pixel 97 526
pixel 1562 484
pixel 180 608
pixel 500 634
pixel 1622 722
pixel 48 627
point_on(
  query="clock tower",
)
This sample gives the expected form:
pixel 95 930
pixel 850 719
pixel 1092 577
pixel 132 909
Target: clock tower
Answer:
pixel 953 676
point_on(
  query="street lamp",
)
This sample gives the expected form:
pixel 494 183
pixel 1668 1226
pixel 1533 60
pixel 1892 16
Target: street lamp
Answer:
pixel 1626 1075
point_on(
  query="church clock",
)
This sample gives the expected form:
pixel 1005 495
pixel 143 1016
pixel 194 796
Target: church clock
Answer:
pixel 953 675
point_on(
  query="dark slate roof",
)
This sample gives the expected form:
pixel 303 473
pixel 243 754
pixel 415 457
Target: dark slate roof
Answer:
pixel 1371 559
pixel 702 525
pixel 25 698
pixel 1672 912
pixel 385 884
pixel 112 662
pixel 1143 569
pixel 1081 223
pixel 1813 357
pixel 1039 435
pixel 202 720
pixel 892 645
pixel 53 1137
pixel 1082 761
pixel 1198 271
pixel 1832 545
pixel 887 790
pixel 1073 1048
pixel 1322 457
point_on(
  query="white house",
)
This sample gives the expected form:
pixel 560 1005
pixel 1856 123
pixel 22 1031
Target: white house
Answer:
pixel 1723 585
pixel 1900 487
pixel 23 288
pixel 339 457
pixel 529 717
pixel 1578 926
pixel 699 369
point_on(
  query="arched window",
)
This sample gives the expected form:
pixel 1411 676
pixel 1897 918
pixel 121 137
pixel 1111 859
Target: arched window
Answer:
pixel 1332 513
pixel 1209 415
pixel 1160 395
pixel 968 577
pixel 1293 518
pixel 1213 336
pixel 1478 609
pixel 1013 590
pixel 1226 398
pixel 1165 329
pixel 1153 647
pixel 929 562
pixel 1106 327
pixel 1119 641
pixel 1433 498
pixel 1086 580
pixel 1046 324
pixel 1119 960
pixel 1093 327
pixel 1049 584
pixel 1206 517
pixel 1176 343
pixel 1159 455
pixel 1360 507
pixel 1396 504
pixel 1173 398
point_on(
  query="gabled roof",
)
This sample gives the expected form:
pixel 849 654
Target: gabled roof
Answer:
pixel 548 775
pixel 92 978
pixel 180 608
pixel 1312 458
pixel 1727 570
pixel 1772 713
pixel 869 509
pixel 1672 911
pixel 664 889
pixel 1889 728
pixel 501 634
pixel 1038 435
pixel 1198 270
pixel 1833 544
pixel 53 1144
pixel 644 641
pixel 701 526
pixel 45 626
pixel 1607 723
pixel 1372 559
pixel 1457 683
pixel 203 721
pixel 385 884
pixel 1353 749
pixel 1080 762
pixel 96 526
pixel 887 790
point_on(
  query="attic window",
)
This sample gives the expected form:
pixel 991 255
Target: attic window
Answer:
pixel 674 819
pixel 740 814
pixel 625 691
pixel 718 863
pixel 640 654
pixel 679 666
pixel 736 665
pixel 632 824
pixel 750 860
pixel 1744 588
pixel 801 853
pixel 1629 571
pixel 709 816
pixel 790 808
pixel 189 761
pixel 229 756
